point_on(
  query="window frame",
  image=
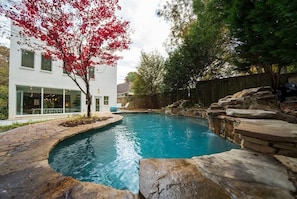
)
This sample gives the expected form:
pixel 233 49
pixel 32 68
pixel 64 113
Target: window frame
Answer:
pixel 46 61
pixel 92 72
pixel 24 63
pixel 105 100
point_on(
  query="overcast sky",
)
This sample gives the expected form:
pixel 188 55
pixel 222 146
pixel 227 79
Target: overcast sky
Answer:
pixel 149 33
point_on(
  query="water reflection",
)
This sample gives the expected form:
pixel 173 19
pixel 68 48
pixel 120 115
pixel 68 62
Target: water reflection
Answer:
pixel 128 154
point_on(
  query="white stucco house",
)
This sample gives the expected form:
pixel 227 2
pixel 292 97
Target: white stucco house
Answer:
pixel 39 87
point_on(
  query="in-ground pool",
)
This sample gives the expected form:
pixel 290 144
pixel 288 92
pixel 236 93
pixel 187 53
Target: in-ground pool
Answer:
pixel 110 155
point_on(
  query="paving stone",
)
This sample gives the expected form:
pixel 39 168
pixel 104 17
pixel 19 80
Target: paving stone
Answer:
pixel 25 173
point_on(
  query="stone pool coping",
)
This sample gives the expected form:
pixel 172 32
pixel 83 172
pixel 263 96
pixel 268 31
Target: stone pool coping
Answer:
pixel 25 172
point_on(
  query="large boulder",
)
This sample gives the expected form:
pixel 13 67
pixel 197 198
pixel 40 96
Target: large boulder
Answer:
pixel 185 108
pixel 261 98
pixel 253 103
pixel 232 174
pixel 181 104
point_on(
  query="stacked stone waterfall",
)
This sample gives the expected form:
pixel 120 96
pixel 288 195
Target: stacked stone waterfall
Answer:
pixel 253 119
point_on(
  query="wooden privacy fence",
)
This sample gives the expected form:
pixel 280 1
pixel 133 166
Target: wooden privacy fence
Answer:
pixel 206 92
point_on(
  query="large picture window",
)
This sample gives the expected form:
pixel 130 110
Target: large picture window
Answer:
pixel 52 101
pixel 46 63
pixel 27 58
pixel 72 101
pixel 37 100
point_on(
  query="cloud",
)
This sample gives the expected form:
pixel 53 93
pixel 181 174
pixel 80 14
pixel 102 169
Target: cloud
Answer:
pixel 150 32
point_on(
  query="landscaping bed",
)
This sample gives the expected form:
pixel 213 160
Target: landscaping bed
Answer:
pixel 83 120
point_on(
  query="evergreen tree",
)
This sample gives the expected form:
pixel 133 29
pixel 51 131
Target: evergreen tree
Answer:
pixel 204 47
pixel 265 32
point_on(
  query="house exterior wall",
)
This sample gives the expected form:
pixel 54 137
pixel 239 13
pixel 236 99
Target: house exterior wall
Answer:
pixel 35 79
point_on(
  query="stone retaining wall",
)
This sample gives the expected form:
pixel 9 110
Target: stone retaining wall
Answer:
pixel 251 119
pixel 258 135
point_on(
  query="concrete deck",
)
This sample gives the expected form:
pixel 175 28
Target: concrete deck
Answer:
pixel 25 172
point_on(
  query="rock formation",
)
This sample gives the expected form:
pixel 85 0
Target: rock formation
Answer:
pixel 233 174
pixel 254 118
pixel 184 108
pixel 261 98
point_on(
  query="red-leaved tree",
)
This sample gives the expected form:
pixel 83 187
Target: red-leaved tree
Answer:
pixel 81 33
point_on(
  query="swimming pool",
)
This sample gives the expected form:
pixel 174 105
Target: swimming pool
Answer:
pixel 110 155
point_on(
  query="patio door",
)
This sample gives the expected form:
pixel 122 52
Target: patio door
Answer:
pixel 97 104
pixel 19 102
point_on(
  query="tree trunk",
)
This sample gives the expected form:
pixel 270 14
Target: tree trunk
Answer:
pixel 89 108
pixel 89 100
pixel 268 69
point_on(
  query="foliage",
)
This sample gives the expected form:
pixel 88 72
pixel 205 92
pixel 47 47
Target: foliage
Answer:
pixel 292 68
pixel 81 33
pixel 176 73
pixel 253 35
pixel 131 77
pixel 265 32
pixel 13 126
pixel 179 13
pixel 17 124
pixel 150 74
pixel 203 50
pixel 4 56
pixel 3 102
pixel 210 34
pixel 81 120
pixel 4 52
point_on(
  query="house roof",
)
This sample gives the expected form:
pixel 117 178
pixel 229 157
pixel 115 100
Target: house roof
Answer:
pixel 123 88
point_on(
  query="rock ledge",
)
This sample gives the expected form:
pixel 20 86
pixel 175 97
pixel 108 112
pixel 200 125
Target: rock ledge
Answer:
pixel 253 118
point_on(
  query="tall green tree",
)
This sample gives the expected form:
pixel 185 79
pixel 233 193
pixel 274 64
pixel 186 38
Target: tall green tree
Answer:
pixel 176 74
pixel 264 31
pixel 205 46
pixel 131 77
pixel 150 74
pixel 212 35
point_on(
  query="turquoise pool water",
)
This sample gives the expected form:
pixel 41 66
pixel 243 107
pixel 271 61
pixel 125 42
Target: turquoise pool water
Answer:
pixel 110 155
